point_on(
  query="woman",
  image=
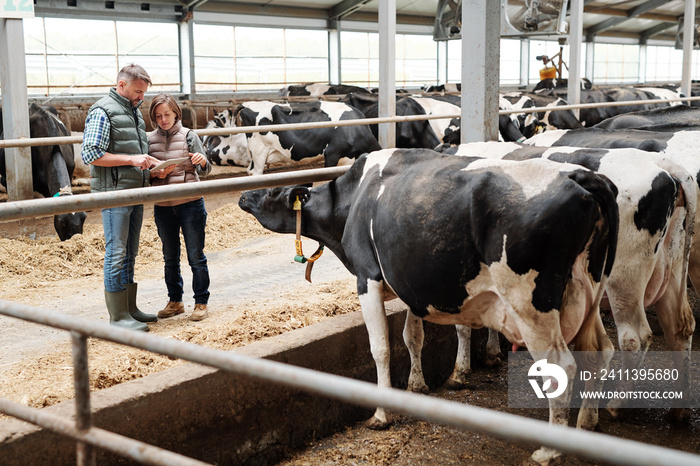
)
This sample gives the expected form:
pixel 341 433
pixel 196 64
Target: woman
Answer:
pixel 172 142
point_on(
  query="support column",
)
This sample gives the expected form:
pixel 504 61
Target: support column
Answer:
pixel 441 61
pixel 575 41
pixel 688 39
pixel 334 51
pixel 186 38
pixel 642 70
pixel 15 111
pixel 480 69
pixel 387 71
pixel 525 62
pixel 590 61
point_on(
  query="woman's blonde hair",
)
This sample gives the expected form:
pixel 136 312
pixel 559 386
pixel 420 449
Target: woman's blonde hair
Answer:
pixel 164 99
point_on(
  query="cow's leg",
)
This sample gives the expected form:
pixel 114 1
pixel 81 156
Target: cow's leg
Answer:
pixel 594 340
pixel 541 333
pixel 677 321
pixel 694 264
pixel 374 315
pixel 413 338
pixel 556 352
pixel 463 364
pixel 633 331
pixel 259 154
pixel 494 356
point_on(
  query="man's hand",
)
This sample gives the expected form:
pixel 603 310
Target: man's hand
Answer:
pixel 144 161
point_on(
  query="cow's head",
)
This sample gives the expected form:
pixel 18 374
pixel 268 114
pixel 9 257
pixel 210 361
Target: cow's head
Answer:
pixel 68 225
pixel 274 207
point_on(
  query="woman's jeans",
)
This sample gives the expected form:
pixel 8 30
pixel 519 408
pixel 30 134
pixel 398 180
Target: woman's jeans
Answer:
pixel 122 227
pixel 191 217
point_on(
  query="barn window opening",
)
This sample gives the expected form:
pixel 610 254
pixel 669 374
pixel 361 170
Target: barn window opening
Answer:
pixel 145 7
pixel 109 5
pixel 73 3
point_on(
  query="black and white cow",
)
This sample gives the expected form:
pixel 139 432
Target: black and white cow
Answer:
pixel 672 119
pixel 320 89
pixel 230 149
pixel 337 145
pixel 658 206
pixel 663 93
pixel 681 147
pixel 412 134
pixel 528 122
pixel 549 119
pixel 52 167
pixel 428 134
pixel 592 116
pixel 447 87
pixel 521 247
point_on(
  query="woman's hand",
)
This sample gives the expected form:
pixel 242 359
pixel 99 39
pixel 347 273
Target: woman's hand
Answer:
pixel 198 159
pixel 163 173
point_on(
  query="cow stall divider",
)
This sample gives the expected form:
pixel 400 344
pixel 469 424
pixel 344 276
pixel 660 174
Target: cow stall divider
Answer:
pixel 502 425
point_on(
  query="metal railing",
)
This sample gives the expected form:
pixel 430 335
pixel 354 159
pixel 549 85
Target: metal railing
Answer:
pixel 502 425
pixel 26 142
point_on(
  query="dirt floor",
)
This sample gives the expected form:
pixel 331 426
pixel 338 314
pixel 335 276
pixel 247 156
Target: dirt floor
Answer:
pixel 257 291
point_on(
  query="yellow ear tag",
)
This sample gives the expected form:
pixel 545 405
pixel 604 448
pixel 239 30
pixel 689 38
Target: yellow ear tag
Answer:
pixel 297 204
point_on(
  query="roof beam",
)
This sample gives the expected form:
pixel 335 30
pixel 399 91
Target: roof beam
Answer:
pixel 632 13
pixel 619 12
pixel 345 8
pixel 652 31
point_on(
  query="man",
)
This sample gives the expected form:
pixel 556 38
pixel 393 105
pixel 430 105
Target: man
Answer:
pixel 115 145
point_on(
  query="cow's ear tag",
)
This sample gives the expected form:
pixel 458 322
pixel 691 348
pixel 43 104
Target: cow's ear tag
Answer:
pixel 297 204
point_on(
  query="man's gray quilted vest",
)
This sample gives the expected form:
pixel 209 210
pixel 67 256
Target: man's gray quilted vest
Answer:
pixel 127 136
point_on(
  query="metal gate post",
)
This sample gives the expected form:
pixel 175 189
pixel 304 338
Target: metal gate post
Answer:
pixel 85 453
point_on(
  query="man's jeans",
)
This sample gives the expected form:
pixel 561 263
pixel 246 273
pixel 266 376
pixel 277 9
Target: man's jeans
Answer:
pixel 122 227
pixel 191 217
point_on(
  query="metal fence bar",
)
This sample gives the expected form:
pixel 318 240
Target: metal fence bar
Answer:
pixel 104 439
pixel 85 454
pixel 588 444
pixel 31 208
pixel 24 142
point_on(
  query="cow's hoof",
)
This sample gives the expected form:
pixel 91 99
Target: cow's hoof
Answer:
pixel 594 428
pixel 457 384
pixel 613 411
pixel 375 424
pixel 494 360
pixel 419 389
pixel 679 416
pixel 545 457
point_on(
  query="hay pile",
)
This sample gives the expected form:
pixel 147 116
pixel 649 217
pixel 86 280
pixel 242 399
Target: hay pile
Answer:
pixel 48 379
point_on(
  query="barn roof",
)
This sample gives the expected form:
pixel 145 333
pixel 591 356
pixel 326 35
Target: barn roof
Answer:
pixel 634 21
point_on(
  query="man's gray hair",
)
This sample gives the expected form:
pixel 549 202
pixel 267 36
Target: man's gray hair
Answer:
pixel 133 71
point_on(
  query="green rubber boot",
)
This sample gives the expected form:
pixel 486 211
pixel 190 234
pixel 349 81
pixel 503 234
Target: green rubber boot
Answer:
pixel 134 311
pixel 118 308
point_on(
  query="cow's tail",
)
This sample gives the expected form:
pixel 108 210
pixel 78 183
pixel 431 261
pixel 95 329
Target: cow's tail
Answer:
pixel 689 197
pixel 604 192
